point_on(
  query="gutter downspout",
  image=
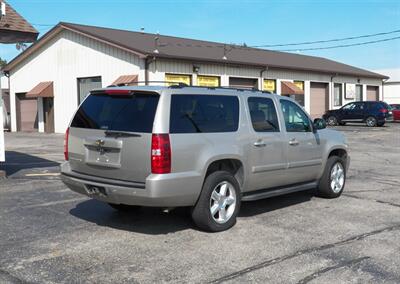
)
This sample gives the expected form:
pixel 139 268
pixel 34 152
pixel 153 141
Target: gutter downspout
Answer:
pixel 147 61
pixel 262 78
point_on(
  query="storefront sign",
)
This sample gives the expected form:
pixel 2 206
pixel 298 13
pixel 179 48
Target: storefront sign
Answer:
pixel 350 91
pixel 269 85
pixel 299 84
pixel 173 79
pixel 208 81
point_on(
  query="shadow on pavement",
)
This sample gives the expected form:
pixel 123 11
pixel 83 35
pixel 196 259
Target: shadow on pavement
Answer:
pixel 17 161
pixel 154 221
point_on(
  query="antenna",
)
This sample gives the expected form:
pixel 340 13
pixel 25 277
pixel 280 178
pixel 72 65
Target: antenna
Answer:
pixel 156 44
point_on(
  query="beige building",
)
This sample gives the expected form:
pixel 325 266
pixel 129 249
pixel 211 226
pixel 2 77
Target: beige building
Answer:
pixel 50 78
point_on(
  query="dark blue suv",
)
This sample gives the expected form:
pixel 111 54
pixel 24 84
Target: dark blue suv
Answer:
pixel 371 113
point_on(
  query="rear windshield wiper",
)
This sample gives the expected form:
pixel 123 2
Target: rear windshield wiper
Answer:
pixel 117 133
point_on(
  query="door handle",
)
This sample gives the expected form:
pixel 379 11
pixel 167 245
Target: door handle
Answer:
pixel 259 143
pixel 293 142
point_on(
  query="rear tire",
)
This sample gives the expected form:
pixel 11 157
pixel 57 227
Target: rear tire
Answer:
pixel 371 121
pixel 221 195
pixel 332 120
pixel 124 207
pixel 333 180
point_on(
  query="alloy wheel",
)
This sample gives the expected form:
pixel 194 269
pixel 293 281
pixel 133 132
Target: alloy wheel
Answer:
pixel 337 177
pixel 223 202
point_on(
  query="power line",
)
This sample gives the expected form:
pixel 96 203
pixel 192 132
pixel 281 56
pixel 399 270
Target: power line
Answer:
pixel 343 45
pixel 42 25
pixel 325 41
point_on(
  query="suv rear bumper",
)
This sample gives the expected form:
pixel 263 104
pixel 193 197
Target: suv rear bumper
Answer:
pixel 164 190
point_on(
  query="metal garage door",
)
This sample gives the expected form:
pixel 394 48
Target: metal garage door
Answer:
pixel 243 83
pixel 372 93
pixel 319 98
pixel 27 114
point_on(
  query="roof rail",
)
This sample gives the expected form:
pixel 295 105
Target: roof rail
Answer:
pixel 176 85
pixel 147 82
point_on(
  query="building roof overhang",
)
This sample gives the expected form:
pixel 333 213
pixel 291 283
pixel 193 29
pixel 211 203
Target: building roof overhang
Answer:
pixel 237 57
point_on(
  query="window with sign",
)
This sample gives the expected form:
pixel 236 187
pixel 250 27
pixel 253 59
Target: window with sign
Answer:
pixel 173 79
pixel 299 84
pixel 269 85
pixel 208 81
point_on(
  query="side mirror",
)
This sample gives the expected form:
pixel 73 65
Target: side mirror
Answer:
pixel 319 123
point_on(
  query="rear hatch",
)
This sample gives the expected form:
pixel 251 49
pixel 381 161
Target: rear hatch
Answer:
pixel 110 135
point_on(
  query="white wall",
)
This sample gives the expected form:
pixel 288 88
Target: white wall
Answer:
pixel 391 87
pixel 4 82
pixel 62 60
pixel 391 92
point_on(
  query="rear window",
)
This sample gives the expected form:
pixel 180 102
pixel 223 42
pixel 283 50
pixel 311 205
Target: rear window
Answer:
pixel 117 112
pixel 204 113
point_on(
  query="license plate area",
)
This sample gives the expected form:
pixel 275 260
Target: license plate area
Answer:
pixel 102 156
pixel 103 152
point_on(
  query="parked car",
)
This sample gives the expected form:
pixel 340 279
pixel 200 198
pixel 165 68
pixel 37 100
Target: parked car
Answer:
pixel 207 148
pixel 396 111
pixel 372 113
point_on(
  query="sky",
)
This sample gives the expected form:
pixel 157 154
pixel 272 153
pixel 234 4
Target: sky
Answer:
pixel 229 21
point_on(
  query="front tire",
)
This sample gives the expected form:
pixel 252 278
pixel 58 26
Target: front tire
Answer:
pixel 219 203
pixel 333 180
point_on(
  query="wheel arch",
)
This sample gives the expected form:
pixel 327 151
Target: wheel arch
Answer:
pixel 231 164
pixel 339 152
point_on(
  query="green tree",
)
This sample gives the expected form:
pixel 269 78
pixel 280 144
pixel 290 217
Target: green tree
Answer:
pixel 2 63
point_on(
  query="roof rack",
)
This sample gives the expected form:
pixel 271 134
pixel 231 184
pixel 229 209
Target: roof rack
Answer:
pixel 147 82
pixel 176 85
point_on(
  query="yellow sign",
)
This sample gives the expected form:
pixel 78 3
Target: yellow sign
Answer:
pixel 299 84
pixel 208 81
pixel 269 85
pixel 173 79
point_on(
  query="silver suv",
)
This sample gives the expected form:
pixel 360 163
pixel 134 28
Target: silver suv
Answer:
pixel 207 148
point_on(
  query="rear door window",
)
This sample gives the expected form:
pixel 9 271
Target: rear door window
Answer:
pixel 132 113
pixel 263 115
pixel 204 113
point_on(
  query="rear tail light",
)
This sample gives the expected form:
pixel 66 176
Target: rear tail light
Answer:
pixel 160 154
pixel 66 144
pixel 383 110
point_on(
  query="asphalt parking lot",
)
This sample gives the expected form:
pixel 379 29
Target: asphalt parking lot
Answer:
pixel 49 234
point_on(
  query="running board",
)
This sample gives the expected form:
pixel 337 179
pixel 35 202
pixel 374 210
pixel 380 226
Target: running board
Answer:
pixel 266 193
